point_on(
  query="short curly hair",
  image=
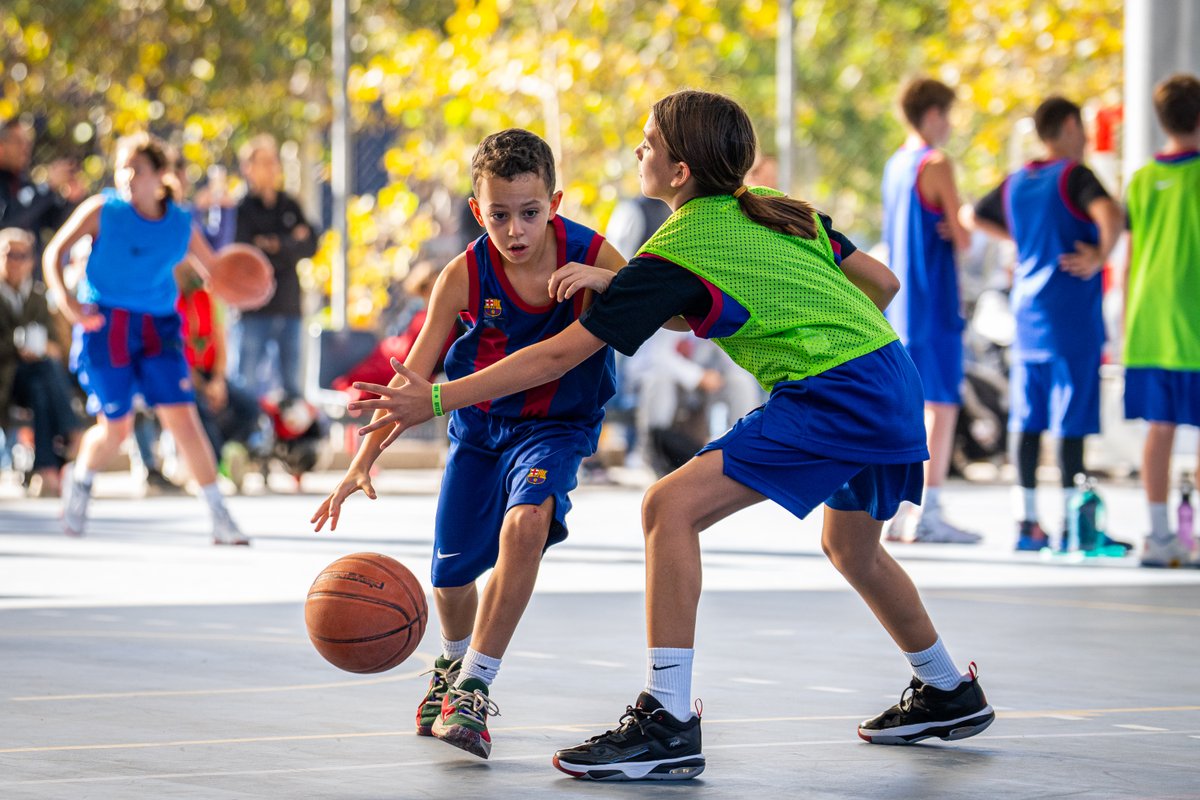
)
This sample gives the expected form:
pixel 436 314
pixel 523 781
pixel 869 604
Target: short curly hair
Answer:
pixel 510 153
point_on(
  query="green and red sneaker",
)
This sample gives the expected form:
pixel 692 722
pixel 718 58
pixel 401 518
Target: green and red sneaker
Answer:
pixel 445 673
pixel 463 721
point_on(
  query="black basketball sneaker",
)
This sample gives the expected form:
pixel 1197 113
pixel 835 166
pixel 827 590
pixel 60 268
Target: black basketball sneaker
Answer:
pixel 925 711
pixel 649 744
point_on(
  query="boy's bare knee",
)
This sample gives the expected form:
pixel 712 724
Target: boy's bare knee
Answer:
pixel 453 593
pixel 526 528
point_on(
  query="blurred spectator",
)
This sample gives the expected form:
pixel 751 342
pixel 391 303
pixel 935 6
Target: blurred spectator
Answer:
pixel 633 221
pixel 272 221
pixel 25 204
pixel 377 367
pixel 215 209
pixel 765 172
pixel 229 413
pixel 670 416
pixel 32 374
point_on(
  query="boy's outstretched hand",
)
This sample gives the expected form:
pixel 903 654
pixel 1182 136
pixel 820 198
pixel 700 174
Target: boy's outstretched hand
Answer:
pixel 571 278
pixel 405 406
pixel 331 508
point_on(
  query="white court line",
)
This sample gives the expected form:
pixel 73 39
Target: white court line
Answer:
pixel 754 681
pixel 1141 728
pixel 531 654
pixel 1067 717
pixel 595 663
pixel 832 689
pixel 846 741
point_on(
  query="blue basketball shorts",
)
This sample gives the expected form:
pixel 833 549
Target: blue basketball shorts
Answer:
pixel 939 362
pixel 1061 395
pixel 491 467
pixel 132 353
pixel 852 438
pixel 1162 395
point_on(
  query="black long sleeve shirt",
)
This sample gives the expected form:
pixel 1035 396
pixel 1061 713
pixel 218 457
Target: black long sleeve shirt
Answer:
pixel 281 220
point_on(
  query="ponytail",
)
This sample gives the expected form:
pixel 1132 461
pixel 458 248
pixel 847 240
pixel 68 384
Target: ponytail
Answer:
pixel 779 213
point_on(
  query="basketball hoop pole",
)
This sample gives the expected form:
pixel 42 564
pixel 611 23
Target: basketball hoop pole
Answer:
pixel 339 166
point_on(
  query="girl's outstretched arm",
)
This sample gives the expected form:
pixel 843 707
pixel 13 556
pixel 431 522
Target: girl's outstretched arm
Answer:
pixel 872 277
pixel 411 403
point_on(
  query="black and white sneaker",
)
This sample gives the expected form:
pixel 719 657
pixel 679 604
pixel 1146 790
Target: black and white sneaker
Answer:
pixel 925 711
pixel 649 745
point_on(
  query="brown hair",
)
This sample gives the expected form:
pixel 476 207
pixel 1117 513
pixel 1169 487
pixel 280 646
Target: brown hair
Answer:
pixel 921 94
pixel 713 135
pixel 1177 103
pixel 157 153
pixel 510 153
pixel 1049 117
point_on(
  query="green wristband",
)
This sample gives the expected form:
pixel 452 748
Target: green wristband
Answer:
pixel 437 400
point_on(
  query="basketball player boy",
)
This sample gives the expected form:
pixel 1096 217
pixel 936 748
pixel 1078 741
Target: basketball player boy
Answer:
pixel 512 461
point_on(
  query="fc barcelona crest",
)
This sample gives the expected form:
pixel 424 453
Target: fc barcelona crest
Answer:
pixel 536 475
pixel 491 307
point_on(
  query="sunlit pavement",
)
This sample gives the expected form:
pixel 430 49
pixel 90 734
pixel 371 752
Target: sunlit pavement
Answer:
pixel 140 661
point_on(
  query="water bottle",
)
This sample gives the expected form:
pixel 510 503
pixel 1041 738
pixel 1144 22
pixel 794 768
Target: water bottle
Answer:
pixel 1186 518
pixel 1086 522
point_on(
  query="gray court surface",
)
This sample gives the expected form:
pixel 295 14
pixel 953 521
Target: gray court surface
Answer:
pixel 140 662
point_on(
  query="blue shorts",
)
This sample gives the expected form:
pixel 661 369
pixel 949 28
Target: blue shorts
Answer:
pixel 1162 395
pixel 1061 395
pixel 495 464
pixel 852 438
pixel 132 354
pixel 939 362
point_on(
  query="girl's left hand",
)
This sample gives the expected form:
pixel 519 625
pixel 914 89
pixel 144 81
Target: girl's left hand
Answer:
pixel 405 406
pixel 575 277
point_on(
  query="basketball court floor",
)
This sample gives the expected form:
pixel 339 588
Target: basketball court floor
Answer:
pixel 142 663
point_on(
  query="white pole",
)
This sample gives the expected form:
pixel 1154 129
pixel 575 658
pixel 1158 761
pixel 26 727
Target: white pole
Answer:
pixel 340 165
pixel 785 109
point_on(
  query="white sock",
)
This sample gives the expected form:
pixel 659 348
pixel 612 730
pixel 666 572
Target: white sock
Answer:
pixel 83 475
pixel 1160 526
pixel 212 496
pixel 1024 504
pixel 454 650
pixel 477 665
pixel 669 679
pixel 935 667
pixel 931 503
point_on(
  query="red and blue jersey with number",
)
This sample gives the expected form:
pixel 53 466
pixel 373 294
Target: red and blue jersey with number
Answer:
pixel 1057 313
pixel 500 323
pixel 926 309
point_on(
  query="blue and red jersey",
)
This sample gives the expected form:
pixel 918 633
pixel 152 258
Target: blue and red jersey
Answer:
pixel 1056 313
pixel 502 323
pixel 927 306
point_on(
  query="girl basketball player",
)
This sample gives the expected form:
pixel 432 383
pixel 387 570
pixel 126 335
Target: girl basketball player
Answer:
pixel 126 325
pixel 758 273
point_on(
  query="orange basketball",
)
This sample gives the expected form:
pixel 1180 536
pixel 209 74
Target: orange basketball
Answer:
pixel 366 613
pixel 243 277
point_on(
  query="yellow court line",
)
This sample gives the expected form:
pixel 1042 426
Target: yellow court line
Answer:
pixel 567 728
pixel 1133 608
